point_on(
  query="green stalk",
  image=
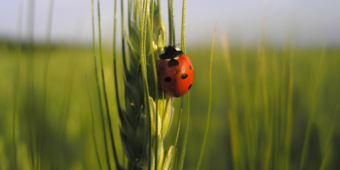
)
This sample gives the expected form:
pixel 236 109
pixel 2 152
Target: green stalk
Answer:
pixel 16 88
pixel 98 91
pixel 173 23
pixel 178 129
pixel 289 111
pixel 104 89
pixel 170 22
pixel 144 71
pixel 330 133
pixel 93 129
pixel 248 118
pixel 115 53
pixel 183 29
pixel 45 76
pixel 282 107
pixel 312 114
pixel 210 98
pixel 123 32
pixel 65 108
pixel 150 20
pixel 184 145
pixel 30 96
pixel 233 105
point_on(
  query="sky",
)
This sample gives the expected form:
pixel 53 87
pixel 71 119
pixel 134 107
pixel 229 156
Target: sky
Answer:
pixel 305 22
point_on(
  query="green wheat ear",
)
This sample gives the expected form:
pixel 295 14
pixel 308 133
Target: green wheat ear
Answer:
pixel 147 115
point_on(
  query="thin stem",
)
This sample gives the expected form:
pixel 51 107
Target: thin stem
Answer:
pixel 123 32
pixel 183 29
pixel 210 98
pixel 173 23
pixel 16 88
pixel 179 123
pixel 311 116
pixel 170 22
pixel 115 56
pixel 45 76
pixel 150 19
pixel 98 90
pixel 184 145
pixel 330 133
pixel 105 94
pixel 93 129
pixel 144 72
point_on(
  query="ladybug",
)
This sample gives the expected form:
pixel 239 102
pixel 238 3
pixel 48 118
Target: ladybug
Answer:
pixel 175 72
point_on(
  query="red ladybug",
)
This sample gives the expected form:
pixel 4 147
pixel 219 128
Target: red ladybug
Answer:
pixel 175 72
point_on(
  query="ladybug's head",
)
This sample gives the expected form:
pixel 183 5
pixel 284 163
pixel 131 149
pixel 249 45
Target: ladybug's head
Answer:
pixel 170 52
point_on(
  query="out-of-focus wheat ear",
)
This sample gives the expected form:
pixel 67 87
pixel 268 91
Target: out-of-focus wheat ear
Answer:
pixel 210 98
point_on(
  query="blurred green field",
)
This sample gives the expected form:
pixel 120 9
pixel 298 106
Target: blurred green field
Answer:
pixel 264 102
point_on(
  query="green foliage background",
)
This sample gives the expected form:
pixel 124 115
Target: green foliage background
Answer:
pixel 269 93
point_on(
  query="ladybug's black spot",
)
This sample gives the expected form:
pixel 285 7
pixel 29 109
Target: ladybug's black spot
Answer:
pixel 167 79
pixel 162 68
pixel 189 87
pixel 184 76
pixel 173 63
pixel 190 67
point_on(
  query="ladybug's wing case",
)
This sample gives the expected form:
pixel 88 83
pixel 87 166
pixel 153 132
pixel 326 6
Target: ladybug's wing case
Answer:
pixel 176 79
pixel 185 75
pixel 166 76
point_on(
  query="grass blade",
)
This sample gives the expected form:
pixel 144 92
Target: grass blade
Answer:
pixel 209 110
pixel 181 159
pixel 173 23
pixel 170 22
pixel 312 114
pixel 123 32
pixel 93 130
pixel 150 22
pixel 105 94
pixel 98 90
pixel 184 145
pixel 144 71
pixel 45 76
pixel 331 131
pixel 183 29
pixel 16 89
